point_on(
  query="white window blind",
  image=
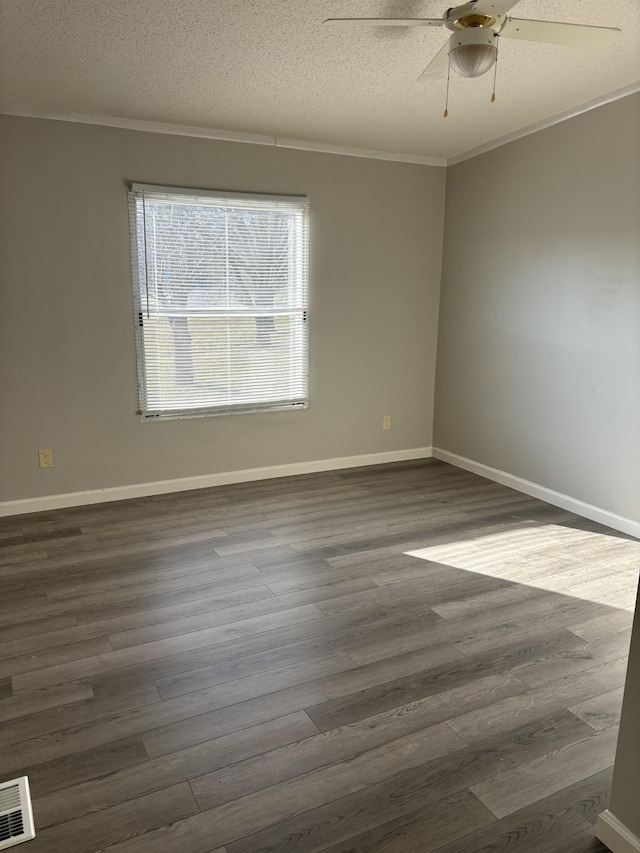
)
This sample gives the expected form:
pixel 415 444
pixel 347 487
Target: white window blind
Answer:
pixel 221 296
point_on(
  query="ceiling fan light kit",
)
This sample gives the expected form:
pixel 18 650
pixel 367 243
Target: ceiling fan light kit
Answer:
pixel 472 52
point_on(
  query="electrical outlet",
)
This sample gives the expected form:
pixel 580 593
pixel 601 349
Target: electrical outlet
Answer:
pixel 45 458
pixel 386 422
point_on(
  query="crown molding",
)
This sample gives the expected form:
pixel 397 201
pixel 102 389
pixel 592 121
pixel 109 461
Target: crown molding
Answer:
pixel 318 147
pixel 600 101
pixel 222 135
pixel 420 159
pixel 140 124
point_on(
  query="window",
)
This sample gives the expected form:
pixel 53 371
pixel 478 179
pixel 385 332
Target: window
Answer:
pixel 220 290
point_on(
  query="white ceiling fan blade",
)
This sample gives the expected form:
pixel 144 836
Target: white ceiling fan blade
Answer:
pixel 554 32
pixel 438 65
pixel 388 22
pixel 495 8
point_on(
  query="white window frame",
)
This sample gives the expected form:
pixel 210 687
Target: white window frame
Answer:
pixel 141 304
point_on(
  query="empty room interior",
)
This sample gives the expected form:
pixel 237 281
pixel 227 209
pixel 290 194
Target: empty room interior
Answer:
pixel 319 426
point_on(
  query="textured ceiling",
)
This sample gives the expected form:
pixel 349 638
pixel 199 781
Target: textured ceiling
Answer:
pixel 270 67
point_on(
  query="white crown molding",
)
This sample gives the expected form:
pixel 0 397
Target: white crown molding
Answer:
pixel 184 484
pixel 221 135
pixel 140 124
pixel 544 123
pixel 321 148
pixel 420 159
pixel 594 513
pixel 615 835
pixel 300 145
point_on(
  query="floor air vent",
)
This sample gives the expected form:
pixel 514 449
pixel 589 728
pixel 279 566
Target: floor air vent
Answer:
pixel 16 816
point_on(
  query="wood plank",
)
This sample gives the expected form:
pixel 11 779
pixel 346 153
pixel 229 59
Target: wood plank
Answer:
pixel 519 709
pixel 38 537
pixel 51 658
pixel 26 557
pixel 178 574
pixel 235 819
pixel 516 620
pixel 320 750
pixel 602 626
pixel 277 648
pixel 268 603
pixel 101 661
pixel 30 628
pixel 189 671
pixel 119 823
pixel 601 712
pixel 141 618
pixel 487 600
pixel 480 632
pixel 51 697
pixel 272 696
pixel 243 585
pixel 410 791
pixel 222 643
pixel 572 661
pixel 559 822
pixel 185 720
pixel 583 842
pixel 514 789
pixel 433 679
pixel 79 767
pixel 21 598
pixel 147 776
pixel 438 587
pixel 142 597
pixel 447 820
pixel 588 797
pixel 79 713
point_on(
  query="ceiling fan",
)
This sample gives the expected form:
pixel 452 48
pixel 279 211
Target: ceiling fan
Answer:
pixel 476 27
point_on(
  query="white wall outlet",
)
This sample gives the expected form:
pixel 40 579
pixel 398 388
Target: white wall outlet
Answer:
pixel 45 458
pixel 386 422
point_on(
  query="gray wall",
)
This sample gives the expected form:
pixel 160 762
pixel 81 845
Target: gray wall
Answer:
pixel 67 354
pixel 538 368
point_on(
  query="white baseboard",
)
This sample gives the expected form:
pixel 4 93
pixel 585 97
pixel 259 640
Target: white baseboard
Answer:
pixel 204 481
pixel 595 513
pixel 615 835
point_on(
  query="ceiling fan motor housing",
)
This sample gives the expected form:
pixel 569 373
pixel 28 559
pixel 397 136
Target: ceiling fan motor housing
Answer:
pixel 473 51
pixel 466 21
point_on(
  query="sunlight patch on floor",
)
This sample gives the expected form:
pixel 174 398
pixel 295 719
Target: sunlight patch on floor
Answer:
pixel 583 564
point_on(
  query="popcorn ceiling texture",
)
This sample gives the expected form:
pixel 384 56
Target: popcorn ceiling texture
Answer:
pixel 269 67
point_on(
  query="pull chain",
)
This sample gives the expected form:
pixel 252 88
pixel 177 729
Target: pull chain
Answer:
pixel 495 74
pixel 446 103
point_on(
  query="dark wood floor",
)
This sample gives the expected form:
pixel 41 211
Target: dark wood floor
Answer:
pixel 401 658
